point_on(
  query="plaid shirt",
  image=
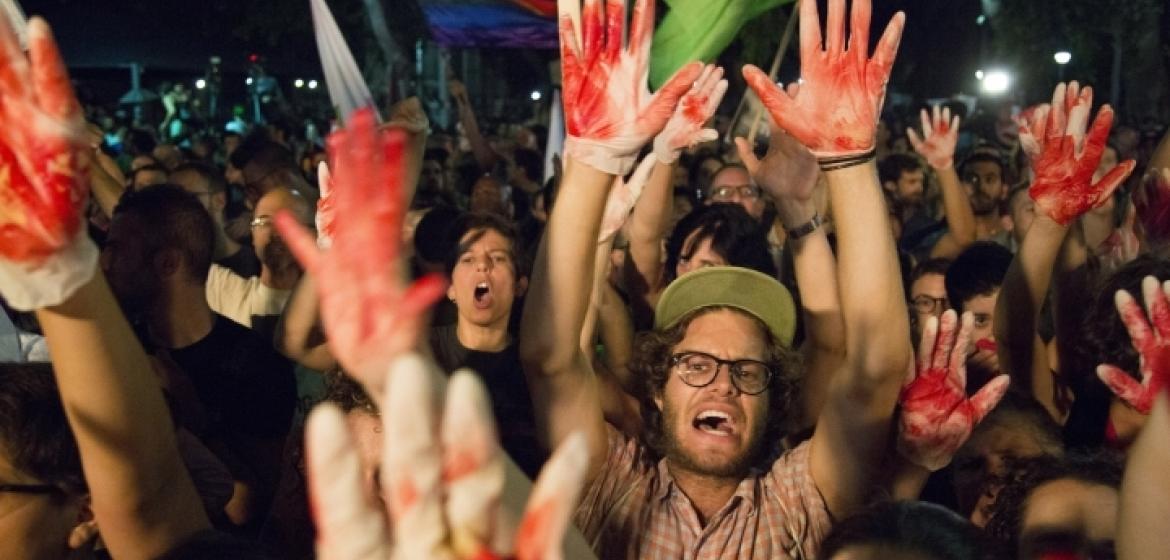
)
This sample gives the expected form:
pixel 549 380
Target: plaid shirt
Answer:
pixel 633 509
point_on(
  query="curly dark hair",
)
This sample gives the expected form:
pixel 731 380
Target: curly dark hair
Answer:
pixel 1100 467
pixel 35 436
pixel 734 235
pixel 920 529
pixel 650 364
pixel 347 393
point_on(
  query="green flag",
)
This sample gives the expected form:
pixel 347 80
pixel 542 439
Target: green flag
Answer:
pixel 699 30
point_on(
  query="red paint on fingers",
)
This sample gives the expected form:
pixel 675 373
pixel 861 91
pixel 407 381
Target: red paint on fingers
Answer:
pixel 532 537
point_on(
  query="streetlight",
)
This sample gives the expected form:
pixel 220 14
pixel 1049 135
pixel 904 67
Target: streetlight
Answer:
pixel 312 84
pixel 248 81
pixel 299 83
pixel 535 95
pixel 1062 57
pixel 979 75
pixel 200 83
pixel 996 82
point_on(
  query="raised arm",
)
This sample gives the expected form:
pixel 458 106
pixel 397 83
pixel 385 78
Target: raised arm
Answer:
pixel 142 498
pixel 1064 160
pixel 789 174
pixel 651 217
pixel 299 335
pixel 609 116
pixel 853 427
pixel 940 134
pixel 485 156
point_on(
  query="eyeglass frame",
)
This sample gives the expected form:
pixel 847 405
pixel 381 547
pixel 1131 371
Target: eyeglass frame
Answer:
pixel 751 192
pixel 733 366
pixel 935 303
pixel 260 221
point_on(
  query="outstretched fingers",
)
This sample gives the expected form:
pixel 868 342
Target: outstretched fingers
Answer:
pixel 662 106
pixel 1134 320
pixel 1159 309
pixel 958 357
pixel 348 528
pixel 987 397
pixel 859 29
pixel 14 69
pixel 926 344
pixel 1124 386
pixel 810 34
pixel 473 468
pixel 50 80
pixel 553 500
pixel 940 357
pixel 835 28
pixel 775 100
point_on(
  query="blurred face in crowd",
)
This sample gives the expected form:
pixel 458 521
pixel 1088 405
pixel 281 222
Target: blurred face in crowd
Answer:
pixel 928 296
pixel 985 187
pixel 147 177
pixel 141 161
pixel 484 283
pixel 696 254
pixel 983 361
pixel 1070 518
pixel 910 186
pixel 269 246
pixel 433 177
pixel 199 186
pixel 715 430
pixel 982 462
pixel 734 185
pixel 37 526
pixel 128 265
pixel 487 195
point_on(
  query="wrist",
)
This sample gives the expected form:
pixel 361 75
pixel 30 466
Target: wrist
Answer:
pixel 803 230
pixel 599 156
pixel 836 162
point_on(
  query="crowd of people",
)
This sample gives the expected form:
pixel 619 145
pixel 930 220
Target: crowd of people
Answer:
pixel 844 342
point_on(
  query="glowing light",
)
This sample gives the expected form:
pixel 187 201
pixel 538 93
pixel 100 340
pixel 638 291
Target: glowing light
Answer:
pixel 200 83
pixel 248 81
pixel 982 19
pixel 299 83
pixel 996 82
pixel 1062 57
pixel 535 95
pixel 312 84
pixel 979 75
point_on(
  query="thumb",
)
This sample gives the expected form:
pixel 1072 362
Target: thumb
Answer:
pixel 1122 384
pixel 324 179
pixel 747 155
pixel 988 396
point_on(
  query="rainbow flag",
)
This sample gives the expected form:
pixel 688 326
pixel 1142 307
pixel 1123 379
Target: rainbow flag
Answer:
pixel 530 24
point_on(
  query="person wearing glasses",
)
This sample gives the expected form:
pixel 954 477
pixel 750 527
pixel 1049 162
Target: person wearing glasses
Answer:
pixel 733 184
pixel 928 293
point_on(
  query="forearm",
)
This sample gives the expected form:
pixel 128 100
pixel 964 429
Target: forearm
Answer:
pixel 485 156
pixel 1020 298
pixel 908 479
pixel 824 347
pixel 956 208
pixel 617 335
pixel 298 332
pixel 142 495
pixel 873 305
pixel 559 295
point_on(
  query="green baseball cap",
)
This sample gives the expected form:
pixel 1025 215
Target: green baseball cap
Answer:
pixel 755 293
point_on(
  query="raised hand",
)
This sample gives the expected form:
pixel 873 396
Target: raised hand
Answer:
pixel 788 173
pixel 1064 158
pixel 45 252
pixel 1152 341
pixel 1152 201
pixel 835 110
pixel 940 133
pixel 622 198
pixel 936 416
pixel 609 111
pixel 441 480
pixel 409 115
pixel 685 127
pixel 370 312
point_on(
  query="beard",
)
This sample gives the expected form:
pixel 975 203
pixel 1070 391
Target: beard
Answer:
pixel 278 258
pixel 982 205
pixel 737 466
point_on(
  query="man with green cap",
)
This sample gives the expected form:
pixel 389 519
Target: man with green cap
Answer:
pixel 708 478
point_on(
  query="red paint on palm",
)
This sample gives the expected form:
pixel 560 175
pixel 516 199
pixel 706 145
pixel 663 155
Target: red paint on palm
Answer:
pixel 369 311
pixel 1151 338
pixel 404 495
pixel 836 109
pixel 1064 158
pixel 936 417
pixel 1152 201
pixel 694 108
pixel 46 186
pixel 605 92
pixel 534 532
pixel 940 134
pixel 685 127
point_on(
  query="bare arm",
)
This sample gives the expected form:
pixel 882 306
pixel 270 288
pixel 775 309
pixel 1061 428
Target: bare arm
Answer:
pixel 959 216
pixel 485 156
pixel 143 499
pixel 299 335
pixel 647 229
pixel 106 187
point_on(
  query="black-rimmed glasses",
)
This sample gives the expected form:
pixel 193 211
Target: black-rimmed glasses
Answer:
pixel 927 304
pixel 699 370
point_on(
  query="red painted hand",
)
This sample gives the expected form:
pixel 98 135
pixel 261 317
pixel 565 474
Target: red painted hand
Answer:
pixel 936 416
pixel 609 111
pixel 1064 158
pixel 369 312
pixel 836 108
pixel 442 475
pixel 940 133
pixel 1153 344
pixel 685 128
pixel 1152 200
pixel 45 253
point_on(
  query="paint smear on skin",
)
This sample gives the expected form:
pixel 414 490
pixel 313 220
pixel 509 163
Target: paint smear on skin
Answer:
pixel 405 495
pixel 459 463
pixel 532 535
pixel 694 108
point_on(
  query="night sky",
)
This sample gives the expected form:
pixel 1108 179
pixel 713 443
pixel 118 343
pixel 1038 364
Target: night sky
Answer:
pixel 939 52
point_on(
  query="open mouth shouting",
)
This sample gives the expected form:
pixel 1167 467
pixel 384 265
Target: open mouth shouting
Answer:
pixel 715 422
pixel 482 295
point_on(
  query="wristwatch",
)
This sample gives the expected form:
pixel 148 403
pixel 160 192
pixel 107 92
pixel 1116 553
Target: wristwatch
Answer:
pixel 806 228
